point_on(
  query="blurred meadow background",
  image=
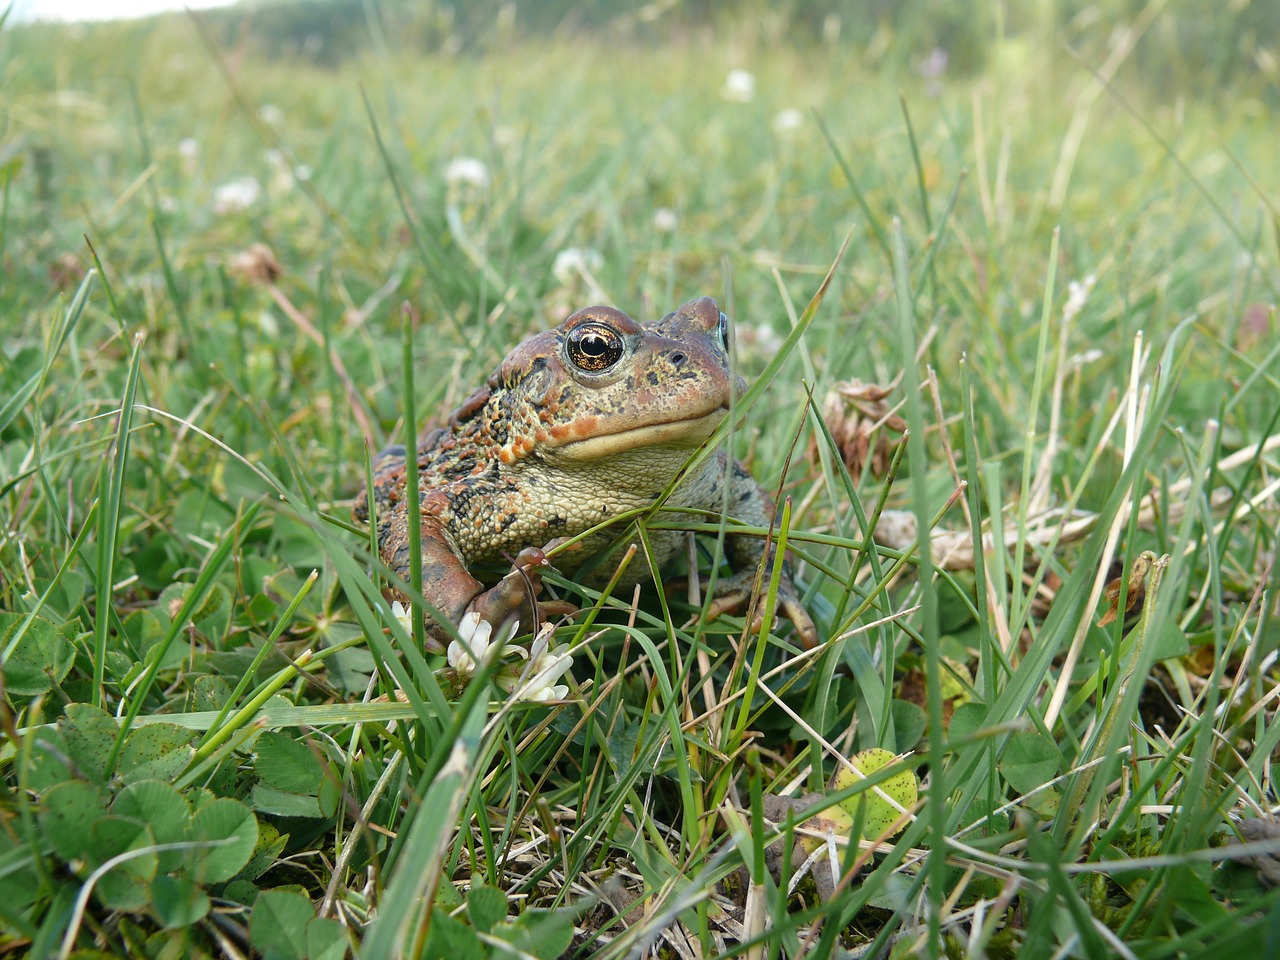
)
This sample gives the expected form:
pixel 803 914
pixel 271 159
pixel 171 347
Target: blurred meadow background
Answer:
pixel 221 236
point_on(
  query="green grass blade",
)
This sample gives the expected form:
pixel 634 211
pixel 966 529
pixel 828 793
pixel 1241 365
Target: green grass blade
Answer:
pixel 917 459
pixel 111 485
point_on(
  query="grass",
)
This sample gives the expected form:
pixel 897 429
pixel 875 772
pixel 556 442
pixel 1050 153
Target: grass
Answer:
pixel 1070 289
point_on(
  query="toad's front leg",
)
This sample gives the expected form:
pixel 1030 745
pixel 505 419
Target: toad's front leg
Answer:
pixel 448 585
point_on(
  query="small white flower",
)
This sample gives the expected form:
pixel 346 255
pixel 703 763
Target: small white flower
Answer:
pixel 404 614
pixel 282 178
pixel 933 66
pixel 1077 294
pixel 189 151
pixel 665 220
pixel 788 121
pixel 1085 358
pixel 271 114
pixel 767 339
pixel 302 172
pixel 466 171
pixel 573 262
pixel 478 644
pixel 237 196
pixel 547 664
pixel 739 86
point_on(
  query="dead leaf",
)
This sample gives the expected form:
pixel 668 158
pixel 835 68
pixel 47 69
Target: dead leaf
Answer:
pixel 257 265
pixel 1137 589
pixel 860 422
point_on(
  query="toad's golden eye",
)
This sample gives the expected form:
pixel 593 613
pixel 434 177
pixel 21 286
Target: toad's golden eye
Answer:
pixel 594 347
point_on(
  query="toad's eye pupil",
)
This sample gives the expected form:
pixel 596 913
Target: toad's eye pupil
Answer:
pixel 595 347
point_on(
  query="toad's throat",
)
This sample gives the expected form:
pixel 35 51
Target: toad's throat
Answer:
pixel 678 433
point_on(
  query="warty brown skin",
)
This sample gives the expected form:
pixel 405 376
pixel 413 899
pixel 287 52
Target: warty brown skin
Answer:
pixel 577 425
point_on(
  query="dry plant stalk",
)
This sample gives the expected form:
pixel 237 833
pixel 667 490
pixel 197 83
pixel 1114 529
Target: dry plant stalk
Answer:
pixel 954 549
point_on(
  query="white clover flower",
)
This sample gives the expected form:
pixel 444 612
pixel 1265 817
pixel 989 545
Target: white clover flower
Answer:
pixel 1083 359
pixel 739 86
pixel 302 172
pixel 189 151
pixel 935 65
pixel 932 68
pixel 1077 294
pixel 767 339
pixel 573 262
pixel 788 121
pixel 665 220
pixel 478 644
pixel 404 614
pixel 547 664
pixel 468 172
pixel 271 114
pixel 282 173
pixel 237 196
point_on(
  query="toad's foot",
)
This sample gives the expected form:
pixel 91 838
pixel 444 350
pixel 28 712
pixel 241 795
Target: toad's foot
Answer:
pixel 734 596
pixel 516 594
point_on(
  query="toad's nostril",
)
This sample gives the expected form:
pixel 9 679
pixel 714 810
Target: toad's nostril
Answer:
pixel 677 358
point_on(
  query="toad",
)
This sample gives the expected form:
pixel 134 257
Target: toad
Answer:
pixel 578 425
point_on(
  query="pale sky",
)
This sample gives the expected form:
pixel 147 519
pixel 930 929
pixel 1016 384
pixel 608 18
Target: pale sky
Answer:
pixel 101 9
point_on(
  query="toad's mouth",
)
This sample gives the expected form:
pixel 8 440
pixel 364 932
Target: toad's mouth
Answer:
pixel 687 433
